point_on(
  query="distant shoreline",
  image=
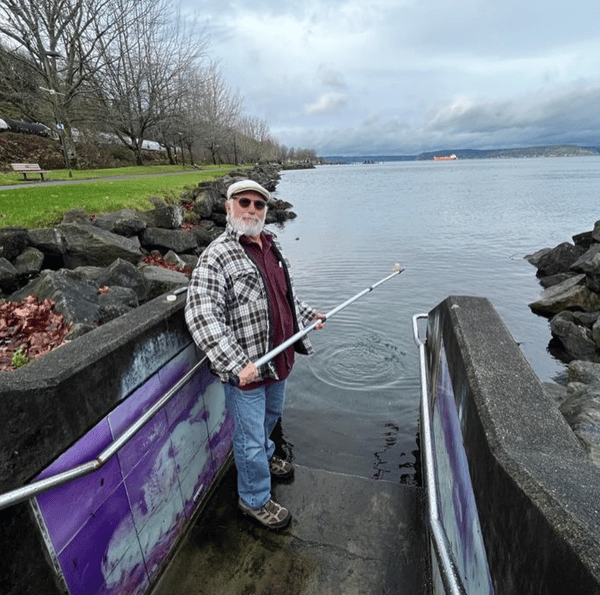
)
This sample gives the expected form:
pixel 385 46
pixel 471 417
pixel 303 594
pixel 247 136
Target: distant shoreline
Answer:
pixel 523 153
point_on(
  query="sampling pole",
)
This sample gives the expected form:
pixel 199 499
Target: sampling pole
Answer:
pixel 283 346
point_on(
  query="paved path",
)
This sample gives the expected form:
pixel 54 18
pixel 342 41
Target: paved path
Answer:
pixel 108 178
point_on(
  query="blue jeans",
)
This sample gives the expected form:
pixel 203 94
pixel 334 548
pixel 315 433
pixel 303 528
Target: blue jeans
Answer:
pixel 255 413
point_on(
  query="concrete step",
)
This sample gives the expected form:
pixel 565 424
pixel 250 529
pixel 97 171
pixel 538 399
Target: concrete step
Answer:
pixel 349 536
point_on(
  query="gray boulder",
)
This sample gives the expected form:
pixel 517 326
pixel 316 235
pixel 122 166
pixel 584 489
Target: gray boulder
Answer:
pixel 535 258
pixel 220 219
pixel 206 199
pixel 13 240
pixel 166 217
pixel 558 259
pixel 589 263
pixel 79 298
pixel 91 273
pixel 162 280
pixel 206 231
pixel 48 240
pixel 569 295
pixel 585 239
pixel 116 302
pixel 596 332
pixel 29 263
pixel 75 296
pixel 585 318
pixel 125 275
pixel 552 280
pixel 584 372
pixel 9 276
pixel 581 408
pixel 576 338
pixel 126 222
pixel 171 239
pixel 596 232
pixel 279 215
pixel 89 245
pixel 582 412
pixel 174 258
pixel 78 329
pixel 189 261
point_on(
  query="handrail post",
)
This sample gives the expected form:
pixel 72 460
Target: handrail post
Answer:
pixel 448 572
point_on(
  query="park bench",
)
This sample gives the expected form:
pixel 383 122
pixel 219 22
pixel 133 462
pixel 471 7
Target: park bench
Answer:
pixel 29 168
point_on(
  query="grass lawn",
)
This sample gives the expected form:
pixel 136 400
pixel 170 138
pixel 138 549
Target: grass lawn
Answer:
pixel 29 206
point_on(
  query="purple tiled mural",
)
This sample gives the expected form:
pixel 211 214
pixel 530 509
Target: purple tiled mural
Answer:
pixel 112 530
pixel 456 501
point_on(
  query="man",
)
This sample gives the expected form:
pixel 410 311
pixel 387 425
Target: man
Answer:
pixel 240 305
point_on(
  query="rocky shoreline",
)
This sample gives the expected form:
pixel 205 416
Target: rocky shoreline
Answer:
pixel 90 270
pixel 570 276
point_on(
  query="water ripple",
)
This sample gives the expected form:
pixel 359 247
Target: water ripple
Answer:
pixel 366 361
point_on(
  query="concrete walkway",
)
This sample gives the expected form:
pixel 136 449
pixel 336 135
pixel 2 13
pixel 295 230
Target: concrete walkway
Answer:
pixel 349 536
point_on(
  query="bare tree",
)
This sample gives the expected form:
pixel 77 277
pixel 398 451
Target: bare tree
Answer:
pixel 255 138
pixel 129 68
pixel 147 64
pixel 19 86
pixel 218 110
pixel 57 47
pixel 181 127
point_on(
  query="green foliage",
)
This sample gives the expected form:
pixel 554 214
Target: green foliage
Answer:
pixel 44 206
pixel 19 358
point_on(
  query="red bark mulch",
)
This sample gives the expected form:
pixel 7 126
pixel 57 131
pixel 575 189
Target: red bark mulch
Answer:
pixel 33 325
pixel 38 328
pixel 158 261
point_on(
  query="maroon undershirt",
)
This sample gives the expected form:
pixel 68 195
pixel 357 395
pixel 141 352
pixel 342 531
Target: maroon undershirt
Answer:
pixel 281 314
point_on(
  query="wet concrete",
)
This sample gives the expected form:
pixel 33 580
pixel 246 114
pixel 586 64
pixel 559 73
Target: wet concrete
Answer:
pixel 349 536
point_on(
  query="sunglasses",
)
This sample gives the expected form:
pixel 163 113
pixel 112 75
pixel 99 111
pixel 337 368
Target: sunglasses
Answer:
pixel 259 205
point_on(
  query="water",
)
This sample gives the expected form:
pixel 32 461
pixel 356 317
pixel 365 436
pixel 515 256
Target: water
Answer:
pixel 459 228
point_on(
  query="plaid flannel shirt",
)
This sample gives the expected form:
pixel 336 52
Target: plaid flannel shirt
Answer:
pixel 227 308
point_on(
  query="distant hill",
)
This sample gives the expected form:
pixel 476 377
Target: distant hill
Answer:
pixel 529 152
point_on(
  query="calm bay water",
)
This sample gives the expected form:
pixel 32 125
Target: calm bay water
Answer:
pixel 459 228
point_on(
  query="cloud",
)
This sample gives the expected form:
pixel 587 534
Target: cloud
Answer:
pixel 328 102
pixel 567 115
pixel 407 76
pixel 328 77
pixel 563 110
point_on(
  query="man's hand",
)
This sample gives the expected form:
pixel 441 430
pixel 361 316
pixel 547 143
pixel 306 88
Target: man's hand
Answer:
pixel 248 374
pixel 320 325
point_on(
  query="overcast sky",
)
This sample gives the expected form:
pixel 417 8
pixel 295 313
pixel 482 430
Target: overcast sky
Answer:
pixel 394 77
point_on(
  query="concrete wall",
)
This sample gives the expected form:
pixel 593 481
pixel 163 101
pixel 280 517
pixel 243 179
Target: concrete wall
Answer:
pixel 63 409
pixel 536 489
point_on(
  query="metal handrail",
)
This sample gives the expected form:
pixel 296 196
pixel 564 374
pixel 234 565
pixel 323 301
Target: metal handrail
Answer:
pixel 24 493
pixel 448 571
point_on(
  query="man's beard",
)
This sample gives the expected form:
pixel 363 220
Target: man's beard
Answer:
pixel 251 226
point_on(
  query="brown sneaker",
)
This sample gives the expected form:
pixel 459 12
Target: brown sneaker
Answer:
pixel 280 469
pixel 271 515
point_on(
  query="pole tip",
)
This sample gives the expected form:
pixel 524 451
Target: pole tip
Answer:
pixel 397 267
